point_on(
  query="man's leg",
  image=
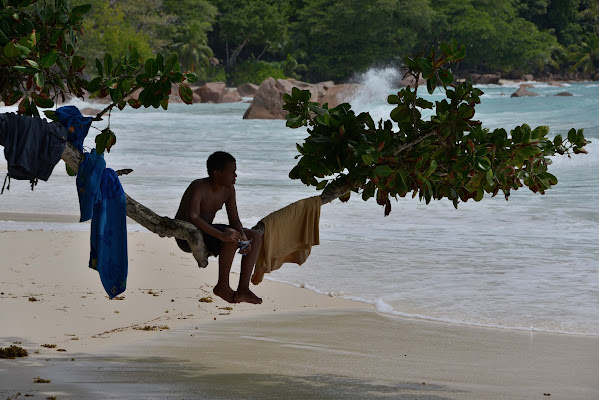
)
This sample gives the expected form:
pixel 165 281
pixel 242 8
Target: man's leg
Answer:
pixel 244 294
pixel 225 259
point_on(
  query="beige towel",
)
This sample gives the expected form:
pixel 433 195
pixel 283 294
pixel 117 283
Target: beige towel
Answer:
pixel 289 235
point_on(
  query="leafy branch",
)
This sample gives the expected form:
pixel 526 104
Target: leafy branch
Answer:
pixel 450 155
pixel 39 65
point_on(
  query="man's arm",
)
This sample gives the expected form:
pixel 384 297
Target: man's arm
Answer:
pixel 232 213
pixel 193 215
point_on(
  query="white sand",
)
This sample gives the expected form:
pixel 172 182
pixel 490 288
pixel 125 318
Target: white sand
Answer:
pixel 297 344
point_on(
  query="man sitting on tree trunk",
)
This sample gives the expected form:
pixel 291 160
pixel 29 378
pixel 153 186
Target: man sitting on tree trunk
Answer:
pixel 200 202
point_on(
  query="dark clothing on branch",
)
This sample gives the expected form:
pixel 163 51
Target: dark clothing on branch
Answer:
pixel 32 146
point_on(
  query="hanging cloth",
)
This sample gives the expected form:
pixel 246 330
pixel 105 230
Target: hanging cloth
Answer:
pixel 108 237
pixel 289 235
pixel 32 146
pixel 76 124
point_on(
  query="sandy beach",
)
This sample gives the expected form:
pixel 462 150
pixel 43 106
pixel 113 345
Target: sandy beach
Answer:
pixel 163 340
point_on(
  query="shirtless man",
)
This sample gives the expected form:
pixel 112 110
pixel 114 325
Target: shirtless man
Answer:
pixel 200 202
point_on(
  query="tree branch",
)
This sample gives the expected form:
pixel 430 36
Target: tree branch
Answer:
pixel 337 191
pixel 162 226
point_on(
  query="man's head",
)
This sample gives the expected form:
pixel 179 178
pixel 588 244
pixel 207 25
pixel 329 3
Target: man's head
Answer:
pixel 218 161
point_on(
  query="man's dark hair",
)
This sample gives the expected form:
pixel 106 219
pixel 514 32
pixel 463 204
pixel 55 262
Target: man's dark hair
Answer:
pixel 218 161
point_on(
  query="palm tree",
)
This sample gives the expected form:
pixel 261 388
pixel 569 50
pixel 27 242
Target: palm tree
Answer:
pixel 192 49
pixel 586 54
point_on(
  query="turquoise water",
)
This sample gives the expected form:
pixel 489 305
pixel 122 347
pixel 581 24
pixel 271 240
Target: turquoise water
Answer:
pixel 530 263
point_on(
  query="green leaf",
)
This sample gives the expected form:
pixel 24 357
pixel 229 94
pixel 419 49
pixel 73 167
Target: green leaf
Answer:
pixel 70 172
pixel 99 67
pixel 482 164
pixel 105 140
pixel 42 102
pixel 33 65
pixel 107 64
pixel 383 170
pixel 80 10
pixel 78 63
pixel 28 41
pixel 38 78
pixel 11 50
pixel 185 93
pixel 151 68
pixel 367 159
pixel 49 59
pixel 170 64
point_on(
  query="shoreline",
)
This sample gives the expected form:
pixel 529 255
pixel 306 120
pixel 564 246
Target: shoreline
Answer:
pixel 297 342
pixel 134 227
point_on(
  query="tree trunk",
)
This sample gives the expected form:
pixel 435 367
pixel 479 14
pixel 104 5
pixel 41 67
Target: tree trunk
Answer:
pixel 169 227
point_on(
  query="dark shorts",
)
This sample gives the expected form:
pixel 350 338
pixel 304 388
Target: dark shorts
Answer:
pixel 213 244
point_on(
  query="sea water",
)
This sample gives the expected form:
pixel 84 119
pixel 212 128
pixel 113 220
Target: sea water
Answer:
pixel 528 263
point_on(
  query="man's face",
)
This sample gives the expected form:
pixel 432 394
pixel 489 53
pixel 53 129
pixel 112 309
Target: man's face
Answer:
pixel 228 174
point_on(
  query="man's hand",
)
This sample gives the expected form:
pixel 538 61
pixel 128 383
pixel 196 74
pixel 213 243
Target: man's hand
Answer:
pixel 230 235
pixel 246 250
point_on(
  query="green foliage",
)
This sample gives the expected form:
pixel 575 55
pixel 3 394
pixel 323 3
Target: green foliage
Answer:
pixel 37 61
pixel 496 38
pixel 251 26
pixel 585 54
pixel 255 72
pixel 345 37
pixel 107 30
pixel 448 156
pixel 153 78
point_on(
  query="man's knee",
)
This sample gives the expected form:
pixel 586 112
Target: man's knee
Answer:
pixel 254 236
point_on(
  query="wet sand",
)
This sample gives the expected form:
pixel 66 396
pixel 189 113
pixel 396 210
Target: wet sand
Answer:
pixel 297 344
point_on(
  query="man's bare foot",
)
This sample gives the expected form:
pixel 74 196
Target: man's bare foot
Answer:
pixel 225 293
pixel 246 296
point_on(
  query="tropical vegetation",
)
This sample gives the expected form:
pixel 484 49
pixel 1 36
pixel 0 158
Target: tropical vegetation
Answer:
pixel 317 40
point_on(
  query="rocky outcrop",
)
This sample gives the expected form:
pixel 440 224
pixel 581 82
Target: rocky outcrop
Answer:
pixel 247 89
pixel 528 77
pixel 231 96
pixel 267 103
pixel 268 100
pixel 411 82
pixel 485 79
pixel 212 92
pixel 89 111
pixel 564 94
pixel 523 92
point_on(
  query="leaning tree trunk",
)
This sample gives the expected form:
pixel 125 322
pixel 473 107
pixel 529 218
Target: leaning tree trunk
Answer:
pixel 169 227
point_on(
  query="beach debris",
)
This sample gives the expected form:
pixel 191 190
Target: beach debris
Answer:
pixel 546 394
pixel 37 379
pixel 153 293
pixel 60 350
pixel 17 342
pixel 51 398
pixel 206 299
pixel 50 346
pixel 117 298
pixel 12 352
pixel 33 299
pixel 224 313
pixel 151 328
pixel 226 308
